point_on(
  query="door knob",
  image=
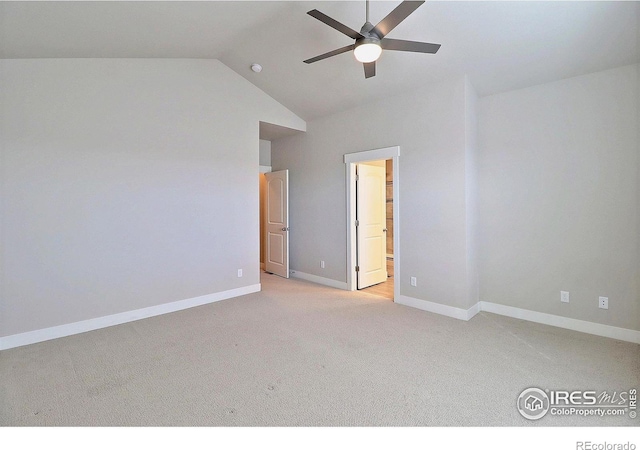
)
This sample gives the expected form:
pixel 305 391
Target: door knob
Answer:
pixel 384 229
pixel 285 229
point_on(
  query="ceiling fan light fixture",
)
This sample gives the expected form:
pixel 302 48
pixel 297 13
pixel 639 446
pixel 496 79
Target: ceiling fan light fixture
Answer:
pixel 367 50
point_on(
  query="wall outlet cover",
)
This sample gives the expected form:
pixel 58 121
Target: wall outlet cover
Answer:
pixel 603 302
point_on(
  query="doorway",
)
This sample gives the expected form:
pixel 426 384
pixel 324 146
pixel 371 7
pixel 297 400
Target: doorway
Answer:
pixel 373 238
pixel 371 227
pixel 274 223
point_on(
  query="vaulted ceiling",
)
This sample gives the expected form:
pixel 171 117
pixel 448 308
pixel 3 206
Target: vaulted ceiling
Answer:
pixel 499 45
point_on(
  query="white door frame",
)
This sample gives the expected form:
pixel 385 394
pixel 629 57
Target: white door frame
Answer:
pixel 350 160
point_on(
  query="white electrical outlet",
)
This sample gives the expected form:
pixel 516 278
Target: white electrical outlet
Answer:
pixel 414 281
pixel 322 264
pixel 239 273
pixel 564 296
pixel 603 302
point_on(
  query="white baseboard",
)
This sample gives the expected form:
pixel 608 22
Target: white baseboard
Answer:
pixel 450 311
pixel 583 326
pixel 32 337
pixel 622 334
pixel 320 280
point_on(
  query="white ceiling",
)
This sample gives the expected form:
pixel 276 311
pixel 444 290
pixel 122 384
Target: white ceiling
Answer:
pixel 499 45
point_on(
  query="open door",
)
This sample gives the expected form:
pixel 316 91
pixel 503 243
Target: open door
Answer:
pixel 277 223
pixel 371 224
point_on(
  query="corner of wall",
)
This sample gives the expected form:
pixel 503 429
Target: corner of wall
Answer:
pixel 471 192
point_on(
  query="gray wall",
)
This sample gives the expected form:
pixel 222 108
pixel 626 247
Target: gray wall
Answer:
pixel 559 197
pixel 131 183
pixel 265 152
pixel 125 184
pixel 508 198
pixel 429 126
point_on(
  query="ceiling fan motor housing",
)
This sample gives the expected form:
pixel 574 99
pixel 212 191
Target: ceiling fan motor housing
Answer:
pixel 369 35
pixel 366 30
pixel 368 40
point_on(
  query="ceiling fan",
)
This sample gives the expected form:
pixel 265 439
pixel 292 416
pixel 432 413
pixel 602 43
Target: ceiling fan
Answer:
pixel 370 41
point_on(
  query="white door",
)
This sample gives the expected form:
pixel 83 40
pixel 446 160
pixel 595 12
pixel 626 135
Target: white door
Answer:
pixel 277 223
pixel 371 222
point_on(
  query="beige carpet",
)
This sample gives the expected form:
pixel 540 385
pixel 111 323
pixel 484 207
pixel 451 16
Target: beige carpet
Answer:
pixel 303 354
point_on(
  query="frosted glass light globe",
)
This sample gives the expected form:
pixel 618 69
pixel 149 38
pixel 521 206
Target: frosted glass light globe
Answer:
pixel 367 52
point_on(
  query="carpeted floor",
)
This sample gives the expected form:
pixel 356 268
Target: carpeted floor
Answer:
pixel 303 354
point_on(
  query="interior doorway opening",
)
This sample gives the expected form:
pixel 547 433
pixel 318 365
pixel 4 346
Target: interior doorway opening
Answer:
pixel 263 182
pixel 264 161
pixel 274 223
pixel 372 217
pixel 374 227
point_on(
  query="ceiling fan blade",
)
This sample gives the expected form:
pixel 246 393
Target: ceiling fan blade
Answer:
pixel 353 34
pixel 369 69
pixel 330 54
pixel 409 46
pixel 396 16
